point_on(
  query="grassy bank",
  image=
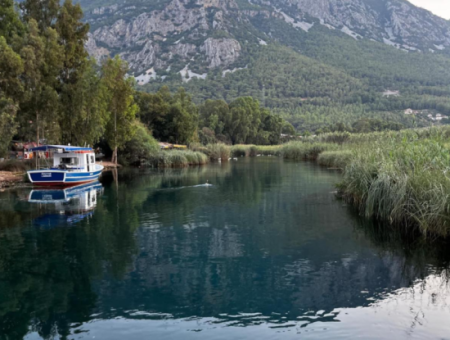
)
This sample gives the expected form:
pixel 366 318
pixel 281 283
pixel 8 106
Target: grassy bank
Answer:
pixel 402 178
pixel 176 159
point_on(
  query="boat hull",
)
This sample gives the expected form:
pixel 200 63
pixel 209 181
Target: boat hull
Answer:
pixel 63 178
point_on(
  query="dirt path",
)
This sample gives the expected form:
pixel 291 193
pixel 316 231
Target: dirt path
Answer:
pixel 9 179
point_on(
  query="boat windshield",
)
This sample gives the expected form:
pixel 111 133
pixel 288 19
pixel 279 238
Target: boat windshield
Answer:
pixel 69 161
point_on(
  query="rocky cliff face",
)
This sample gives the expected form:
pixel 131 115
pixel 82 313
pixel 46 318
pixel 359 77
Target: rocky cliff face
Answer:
pixel 394 22
pixel 194 36
pixel 181 32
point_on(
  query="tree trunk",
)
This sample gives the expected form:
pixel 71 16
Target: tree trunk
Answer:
pixel 114 156
pixel 37 139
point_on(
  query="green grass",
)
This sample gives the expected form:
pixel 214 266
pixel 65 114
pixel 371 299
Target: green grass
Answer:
pixel 305 151
pixel 177 159
pixel 218 151
pixel 335 159
pixel 405 183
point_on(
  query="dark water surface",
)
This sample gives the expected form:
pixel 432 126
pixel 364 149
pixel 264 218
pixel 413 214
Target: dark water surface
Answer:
pixel 267 252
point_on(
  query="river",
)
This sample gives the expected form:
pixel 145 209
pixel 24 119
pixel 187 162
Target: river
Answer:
pixel 266 251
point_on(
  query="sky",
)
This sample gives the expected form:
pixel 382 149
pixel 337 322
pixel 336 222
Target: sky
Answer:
pixel 438 7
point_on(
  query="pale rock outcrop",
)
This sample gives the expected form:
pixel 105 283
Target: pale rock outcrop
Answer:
pixel 143 59
pixel 221 52
pixel 99 53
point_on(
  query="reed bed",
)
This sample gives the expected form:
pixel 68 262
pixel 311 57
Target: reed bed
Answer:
pixel 405 183
pixel 177 159
pixel 305 151
pixel 335 159
pixel 241 150
pixel 218 152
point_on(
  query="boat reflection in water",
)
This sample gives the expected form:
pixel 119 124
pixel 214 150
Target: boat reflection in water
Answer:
pixel 66 207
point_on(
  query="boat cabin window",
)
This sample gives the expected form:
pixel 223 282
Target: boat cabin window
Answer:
pixel 92 159
pixel 68 161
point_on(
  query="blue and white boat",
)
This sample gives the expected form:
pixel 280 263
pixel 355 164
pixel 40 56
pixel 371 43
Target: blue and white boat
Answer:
pixel 72 165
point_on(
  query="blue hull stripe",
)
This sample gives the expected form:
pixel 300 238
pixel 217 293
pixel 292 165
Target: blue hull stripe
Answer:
pixel 51 176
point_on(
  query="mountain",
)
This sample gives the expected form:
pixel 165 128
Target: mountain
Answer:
pixel 370 57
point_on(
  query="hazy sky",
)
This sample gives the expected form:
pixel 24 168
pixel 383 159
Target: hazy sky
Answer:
pixel 438 7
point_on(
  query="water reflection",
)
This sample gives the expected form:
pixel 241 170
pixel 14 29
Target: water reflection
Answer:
pixel 266 250
pixel 65 206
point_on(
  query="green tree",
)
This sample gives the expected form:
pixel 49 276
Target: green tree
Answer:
pixel 153 110
pixel 10 23
pixel 42 56
pixel 245 120
pixel 215 115
pixel 182 118
pixel 140 147
pixel 11 67
pixel 8 124
pixel 93 117
pixel 72 34
pixel 122 108
pixel 43 11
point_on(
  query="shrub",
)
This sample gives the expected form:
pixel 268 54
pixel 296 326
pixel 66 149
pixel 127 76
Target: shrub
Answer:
pixel 140 148
pixel 218 151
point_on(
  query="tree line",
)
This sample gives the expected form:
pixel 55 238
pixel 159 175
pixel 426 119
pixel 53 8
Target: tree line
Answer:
pixel 49 87
pixel 52 91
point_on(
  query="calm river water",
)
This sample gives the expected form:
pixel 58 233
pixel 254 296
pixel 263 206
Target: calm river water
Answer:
pixel 266 252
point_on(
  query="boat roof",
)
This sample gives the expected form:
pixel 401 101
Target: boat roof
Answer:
pixel 65 148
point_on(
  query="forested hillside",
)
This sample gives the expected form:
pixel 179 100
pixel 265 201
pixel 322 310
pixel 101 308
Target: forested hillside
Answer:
pixel 314 67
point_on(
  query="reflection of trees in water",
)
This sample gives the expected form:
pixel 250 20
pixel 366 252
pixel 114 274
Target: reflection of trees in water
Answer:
pixel 288 254
pixel 46 276
pixel 265 238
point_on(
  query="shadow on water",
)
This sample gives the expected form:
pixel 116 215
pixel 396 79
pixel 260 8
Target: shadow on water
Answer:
pixel 267 244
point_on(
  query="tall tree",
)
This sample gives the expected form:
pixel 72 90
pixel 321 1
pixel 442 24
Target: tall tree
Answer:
pixel 43 11
pixel 183 118
pixel 11 67
pixel 72 34
pixel 122 107
pixel 10 23
pixel 93 117
pixel 153 110
pixel 245 120
pixel 42 56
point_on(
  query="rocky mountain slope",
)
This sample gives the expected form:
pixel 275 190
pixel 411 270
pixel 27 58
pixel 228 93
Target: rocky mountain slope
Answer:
pixel 297 56
pixel 206 34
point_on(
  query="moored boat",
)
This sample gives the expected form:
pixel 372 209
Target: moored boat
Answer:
pixel 72 165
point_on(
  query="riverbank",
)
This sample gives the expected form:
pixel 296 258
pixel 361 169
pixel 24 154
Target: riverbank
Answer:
pixel 402 178
pixel 9 179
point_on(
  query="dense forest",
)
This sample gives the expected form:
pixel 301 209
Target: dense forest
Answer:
pixel 321 77
pixel 51 91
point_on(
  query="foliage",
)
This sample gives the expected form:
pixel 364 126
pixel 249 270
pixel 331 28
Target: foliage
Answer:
pixel 10 23
pixel 218 152
pixel 404 182
pixel 177 159
pixel 8 126
pixel 122 108
pixel 140 148
pixel 171 118
pixel 242 121
pixel 335 159
pixel 305 151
